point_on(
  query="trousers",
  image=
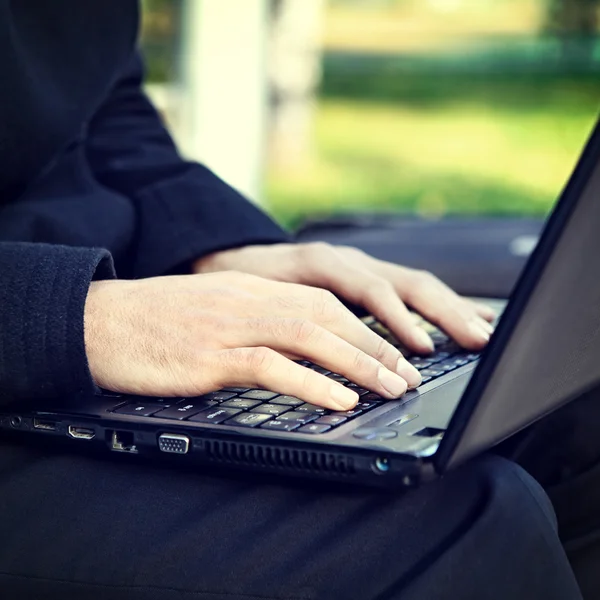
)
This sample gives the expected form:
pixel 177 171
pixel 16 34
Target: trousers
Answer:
pixel 78 526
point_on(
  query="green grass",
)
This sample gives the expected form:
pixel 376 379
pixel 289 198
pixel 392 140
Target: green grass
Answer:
pixel 453 156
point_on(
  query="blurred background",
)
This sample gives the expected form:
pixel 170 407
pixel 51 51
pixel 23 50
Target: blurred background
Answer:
pixel 427 107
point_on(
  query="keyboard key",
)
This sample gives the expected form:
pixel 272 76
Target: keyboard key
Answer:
pixel 311 408
pixel 438 337
pixel 271 409
pixel 321 370
pixel 287 401
pixel 420 363
pixel 278 425
pixel 431 372
pixel 446 365
pixel 348 413
pixel 459 361
pixel 438 356
pixel 214 415
pixel 449 346
pixel 332 420
pixel 141 410
pixel 425 380
pixel 359 390
pixel 185 410
pixel 367 404
pixel 339 378
pixel 248 420
pixel 219 396
pixel 259 395
pixel 236 389
pixel 371 397
pixel 314 428
pixel 241 403
pixel 298 417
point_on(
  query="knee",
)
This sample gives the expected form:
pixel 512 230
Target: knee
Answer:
pixel 508 486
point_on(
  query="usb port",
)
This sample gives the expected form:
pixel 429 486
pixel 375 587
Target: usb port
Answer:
pixel 81 433
pixel 45 425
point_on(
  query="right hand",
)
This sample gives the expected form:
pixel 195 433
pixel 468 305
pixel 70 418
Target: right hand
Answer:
pixel 189 335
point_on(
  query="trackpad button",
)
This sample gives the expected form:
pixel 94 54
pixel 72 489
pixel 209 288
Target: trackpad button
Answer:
pixel 375 434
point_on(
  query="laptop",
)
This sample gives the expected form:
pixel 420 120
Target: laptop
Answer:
pixel 545 352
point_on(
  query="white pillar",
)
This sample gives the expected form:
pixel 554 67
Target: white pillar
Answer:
pixel 295 73
pixel 225 89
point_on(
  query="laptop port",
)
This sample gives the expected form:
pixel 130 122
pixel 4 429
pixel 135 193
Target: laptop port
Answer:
pixel 44 425
pixel 381 465
pixel 122 441
pixel 81 433
pixel 173 443
pixel 16 422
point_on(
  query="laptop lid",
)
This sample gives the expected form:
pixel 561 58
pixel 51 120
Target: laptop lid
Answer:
pixel 546 348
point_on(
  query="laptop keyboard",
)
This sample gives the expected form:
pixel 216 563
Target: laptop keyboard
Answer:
pixel 256 408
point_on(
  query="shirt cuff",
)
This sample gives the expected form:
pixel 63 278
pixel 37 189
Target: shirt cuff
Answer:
pixel 189 217
pixel 42 301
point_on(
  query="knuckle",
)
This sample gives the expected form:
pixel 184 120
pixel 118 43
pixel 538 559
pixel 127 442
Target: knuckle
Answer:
pixel 423 283
pixel 317 248
pixel 313 253
pixel 307 379
pixel 363 363
pixel 260 359
pixel 289 303
pixel 326 307
pixel 384 350
pixel 423 278
pixel 254 360
pixel 377 289
pixel 302 331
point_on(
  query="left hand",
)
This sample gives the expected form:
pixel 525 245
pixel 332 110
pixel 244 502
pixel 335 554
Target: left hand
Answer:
pixel 384 289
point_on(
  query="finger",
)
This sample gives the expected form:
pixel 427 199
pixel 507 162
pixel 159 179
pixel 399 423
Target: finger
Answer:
pixel 444 308
pixel 379 297
pixel 324 309
pixel 317 344
pixel 265 368
pixel 485 312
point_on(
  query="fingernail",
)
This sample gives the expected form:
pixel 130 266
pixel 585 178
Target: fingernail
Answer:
pixel 424 340
pixel 479 333
pixel 486 326
pixel 392 383
pixel 343 397
pixel 408 373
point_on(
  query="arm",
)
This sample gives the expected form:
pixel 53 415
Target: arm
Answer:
pixel 184 210
pixel 42 297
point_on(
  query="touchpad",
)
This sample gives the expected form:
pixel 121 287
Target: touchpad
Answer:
pixel 436 407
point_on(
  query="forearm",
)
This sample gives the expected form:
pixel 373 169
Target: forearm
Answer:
pixel 42 300
pixel 184 211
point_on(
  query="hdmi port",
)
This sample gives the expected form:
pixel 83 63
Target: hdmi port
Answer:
pixel 81 433
pixel 45 425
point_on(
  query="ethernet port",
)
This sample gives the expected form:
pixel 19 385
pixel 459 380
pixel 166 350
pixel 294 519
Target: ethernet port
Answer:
pixel 123 441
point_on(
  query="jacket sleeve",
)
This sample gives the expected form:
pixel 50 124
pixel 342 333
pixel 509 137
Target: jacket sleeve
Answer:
pixel 184 211
pixel 42 298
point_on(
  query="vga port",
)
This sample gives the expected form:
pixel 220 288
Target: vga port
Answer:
pixel 173 443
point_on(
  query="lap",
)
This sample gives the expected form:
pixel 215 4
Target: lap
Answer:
pixel 563 453
pixel 84 527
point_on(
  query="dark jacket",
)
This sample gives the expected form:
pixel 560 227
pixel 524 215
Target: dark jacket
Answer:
pixel 90 184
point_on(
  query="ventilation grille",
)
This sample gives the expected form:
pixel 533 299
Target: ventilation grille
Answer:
pixel 270 457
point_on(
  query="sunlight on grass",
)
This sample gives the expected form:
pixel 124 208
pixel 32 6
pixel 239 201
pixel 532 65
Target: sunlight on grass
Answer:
pixel 451 159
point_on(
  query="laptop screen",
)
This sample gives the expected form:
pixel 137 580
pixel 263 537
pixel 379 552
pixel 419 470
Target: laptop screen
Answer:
pixel 546 349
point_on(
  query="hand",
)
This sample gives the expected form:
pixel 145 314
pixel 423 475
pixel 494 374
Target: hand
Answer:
pixel 185 336
pixel 386 290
